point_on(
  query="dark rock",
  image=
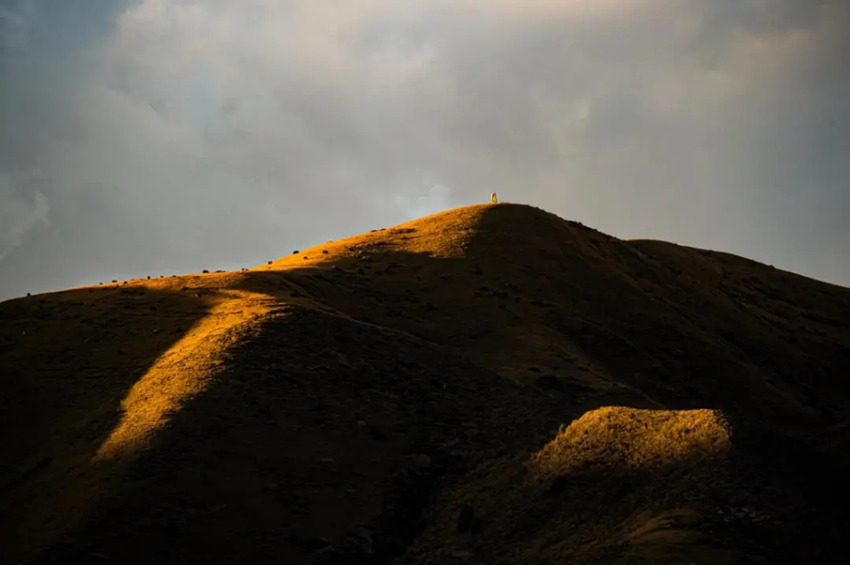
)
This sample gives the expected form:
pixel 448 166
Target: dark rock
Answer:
pixel 465 518
pixel 550 382
pixel 557 486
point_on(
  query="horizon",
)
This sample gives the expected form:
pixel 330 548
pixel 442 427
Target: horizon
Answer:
pixel 262 265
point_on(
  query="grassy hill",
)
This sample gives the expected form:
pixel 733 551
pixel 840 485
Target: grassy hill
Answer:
pixel 490 384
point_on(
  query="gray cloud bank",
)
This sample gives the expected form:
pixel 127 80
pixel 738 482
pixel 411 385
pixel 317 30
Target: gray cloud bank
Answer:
pixel 160 137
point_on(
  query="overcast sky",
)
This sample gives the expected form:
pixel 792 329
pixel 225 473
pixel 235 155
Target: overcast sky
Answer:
pixel 169 136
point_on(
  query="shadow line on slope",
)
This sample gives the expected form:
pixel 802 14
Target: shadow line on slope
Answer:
pixel 312 441
pixel 68 360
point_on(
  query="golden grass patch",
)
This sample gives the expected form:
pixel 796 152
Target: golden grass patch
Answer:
pixel 616 438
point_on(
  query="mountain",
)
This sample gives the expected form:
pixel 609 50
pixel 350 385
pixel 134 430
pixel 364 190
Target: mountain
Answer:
pixel 490 384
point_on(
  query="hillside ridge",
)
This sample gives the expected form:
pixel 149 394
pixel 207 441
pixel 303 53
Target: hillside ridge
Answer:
pixel 349 402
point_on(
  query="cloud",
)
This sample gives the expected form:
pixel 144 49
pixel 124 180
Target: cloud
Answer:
pixel 174 136
pixel 20 211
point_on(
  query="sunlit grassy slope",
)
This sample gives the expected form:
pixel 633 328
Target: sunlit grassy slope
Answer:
pixel 490 384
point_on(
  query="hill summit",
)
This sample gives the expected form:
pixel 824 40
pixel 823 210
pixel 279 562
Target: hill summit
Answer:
pixel 490 384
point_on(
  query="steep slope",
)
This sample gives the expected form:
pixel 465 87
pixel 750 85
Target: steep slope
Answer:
pixel 365 399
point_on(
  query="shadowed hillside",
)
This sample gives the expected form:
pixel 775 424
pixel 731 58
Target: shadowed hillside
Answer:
pixel 490 384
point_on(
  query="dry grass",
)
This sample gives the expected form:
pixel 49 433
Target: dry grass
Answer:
pixel 616 439
pixel 342 402
pixel 181 373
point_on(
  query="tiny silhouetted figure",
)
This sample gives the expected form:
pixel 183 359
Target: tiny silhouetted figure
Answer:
pixel 493 198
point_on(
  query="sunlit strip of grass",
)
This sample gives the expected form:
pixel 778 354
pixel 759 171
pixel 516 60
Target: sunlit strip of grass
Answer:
pixel 616 439
pixel 183 371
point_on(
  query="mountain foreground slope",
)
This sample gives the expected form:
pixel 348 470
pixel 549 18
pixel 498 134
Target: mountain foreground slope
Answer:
pixel 490 384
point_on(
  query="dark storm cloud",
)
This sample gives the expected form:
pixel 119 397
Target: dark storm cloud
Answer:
pixel 156 136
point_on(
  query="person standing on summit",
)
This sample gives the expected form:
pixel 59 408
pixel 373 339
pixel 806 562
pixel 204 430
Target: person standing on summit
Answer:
pixel 493 198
